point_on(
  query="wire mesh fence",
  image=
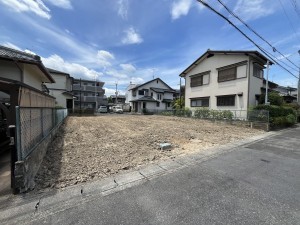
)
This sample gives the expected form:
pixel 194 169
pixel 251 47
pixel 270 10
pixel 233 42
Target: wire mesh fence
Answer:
pixel 34 124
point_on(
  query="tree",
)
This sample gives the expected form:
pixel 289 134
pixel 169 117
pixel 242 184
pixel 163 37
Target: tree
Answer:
pixel 109 99
pixel 178 103
pixel 273 97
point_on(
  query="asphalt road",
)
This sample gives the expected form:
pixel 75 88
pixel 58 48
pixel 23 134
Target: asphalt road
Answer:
pixel 256 183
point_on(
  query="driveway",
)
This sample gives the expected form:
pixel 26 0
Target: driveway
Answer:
pixel 252 183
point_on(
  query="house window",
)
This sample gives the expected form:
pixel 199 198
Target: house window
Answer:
pixel 227 74
pixel 141 92
pixel 169 104
pixel 159 96
pixel 200 102
pixel 152 94
pixel 133 93
pixel 85 94
pixel 230 72
pixel 226 100
pixel 85 83
pixel 258 71
pixel 157 104
pixel 200 79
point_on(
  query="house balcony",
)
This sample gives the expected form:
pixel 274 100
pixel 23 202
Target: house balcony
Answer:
pixel 76 87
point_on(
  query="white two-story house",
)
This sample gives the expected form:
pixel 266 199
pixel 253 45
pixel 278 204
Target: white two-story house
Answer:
pixel 62 89
pixel 153 96
pixel 225 80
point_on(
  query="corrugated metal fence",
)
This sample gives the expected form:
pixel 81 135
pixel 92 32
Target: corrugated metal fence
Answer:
pixel 33 125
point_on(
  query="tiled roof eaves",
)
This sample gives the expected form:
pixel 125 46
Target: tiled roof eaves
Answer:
pixel 23 57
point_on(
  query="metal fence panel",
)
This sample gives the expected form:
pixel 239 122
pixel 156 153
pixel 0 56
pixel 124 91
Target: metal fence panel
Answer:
pixel 34 124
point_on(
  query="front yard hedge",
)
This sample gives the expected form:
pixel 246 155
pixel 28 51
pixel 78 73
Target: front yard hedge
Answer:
pixel 280 116
pixel 205 113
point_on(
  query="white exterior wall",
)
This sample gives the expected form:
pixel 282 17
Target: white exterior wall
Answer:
pixel 61 99
pixel 152 84
pixel 33 77
pixel 10 70
pixel 214 88
pixel 128 94
pixel 150 105
pixel 255 86
pixel 60 82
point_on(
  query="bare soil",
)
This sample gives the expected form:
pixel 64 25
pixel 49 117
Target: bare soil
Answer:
pixel 89 148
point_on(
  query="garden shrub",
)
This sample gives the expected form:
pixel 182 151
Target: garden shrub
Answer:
pixel 227 114
pixel 273 97
pixel 291 119
pixel 279 116
pixel 202 113
pixel 167 113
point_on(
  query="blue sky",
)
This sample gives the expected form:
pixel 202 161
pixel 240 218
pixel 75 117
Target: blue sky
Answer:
pixel 136 40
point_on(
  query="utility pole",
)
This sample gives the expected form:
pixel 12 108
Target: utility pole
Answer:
pixel 267 84
pixel 180 93
pixel 80 96
pixel 96 105
pixel 298 91
pixel 116 92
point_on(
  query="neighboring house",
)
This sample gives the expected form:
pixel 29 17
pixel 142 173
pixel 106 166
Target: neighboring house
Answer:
pixel 89 94
pixel 154 95
pixel 225 80
pixel 22 82
pixel 289 94
pixel 62 89
pixel 119 100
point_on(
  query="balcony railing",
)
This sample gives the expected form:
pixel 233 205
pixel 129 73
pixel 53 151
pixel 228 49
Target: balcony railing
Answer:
pixel 76 87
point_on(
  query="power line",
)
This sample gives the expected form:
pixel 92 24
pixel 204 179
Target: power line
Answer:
pixel 264 51
pixel 288 18
pixel 295 6
pixel 243 22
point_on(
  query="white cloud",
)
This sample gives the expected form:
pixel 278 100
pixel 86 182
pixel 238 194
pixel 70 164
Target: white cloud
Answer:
pixel 180 8
pixel 10 45
pixel 123 8
pixel 254 9
pixel 104 58
pixel 132 37
pixel 116 74
pixel 30 52
pixel 128 68
pixel 109 91
pixel 74 69
pixel 65 4
pixel 37 7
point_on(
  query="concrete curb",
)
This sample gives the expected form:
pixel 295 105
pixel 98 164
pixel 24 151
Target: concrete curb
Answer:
pixel 54 201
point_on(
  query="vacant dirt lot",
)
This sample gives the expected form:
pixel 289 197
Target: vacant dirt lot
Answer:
pixel 95 147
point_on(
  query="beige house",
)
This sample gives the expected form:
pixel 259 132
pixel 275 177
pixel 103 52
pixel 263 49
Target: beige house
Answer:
pixel 225 80
pixel 62 89
pixel 22 82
